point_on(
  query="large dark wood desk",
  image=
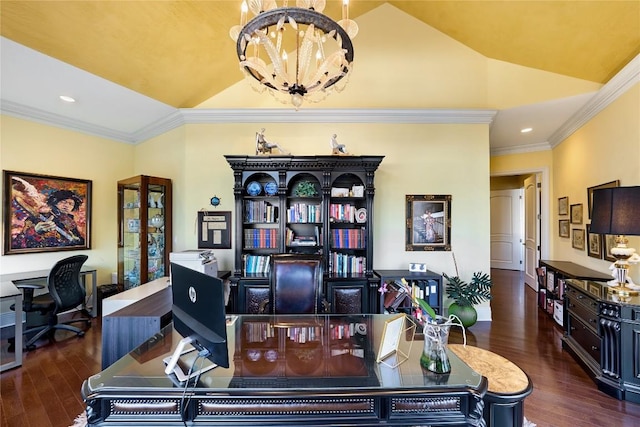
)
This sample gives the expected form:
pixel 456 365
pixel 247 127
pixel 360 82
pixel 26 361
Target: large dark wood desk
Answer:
pixel 276 378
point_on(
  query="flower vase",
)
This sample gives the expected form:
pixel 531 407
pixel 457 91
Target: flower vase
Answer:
pixel 434 353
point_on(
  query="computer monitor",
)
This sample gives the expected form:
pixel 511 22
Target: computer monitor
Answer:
pixel 199 316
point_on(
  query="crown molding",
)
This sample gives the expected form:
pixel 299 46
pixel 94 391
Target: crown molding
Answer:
pixel 281 115
pixel 519 149
pixel 612 90
pixel 24 112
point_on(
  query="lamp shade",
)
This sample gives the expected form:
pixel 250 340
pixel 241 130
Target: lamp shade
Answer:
pixel 616 211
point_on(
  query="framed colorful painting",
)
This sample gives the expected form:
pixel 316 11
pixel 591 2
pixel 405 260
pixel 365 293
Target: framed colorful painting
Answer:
pixel 45 213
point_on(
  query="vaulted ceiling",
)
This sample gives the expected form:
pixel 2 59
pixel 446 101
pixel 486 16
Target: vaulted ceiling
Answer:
pixel 179 52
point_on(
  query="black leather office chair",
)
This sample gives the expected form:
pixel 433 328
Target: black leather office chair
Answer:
pixel 296 285
pixel 66 292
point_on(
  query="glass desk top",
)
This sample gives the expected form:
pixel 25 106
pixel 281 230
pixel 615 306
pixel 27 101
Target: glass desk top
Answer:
pixel 294 352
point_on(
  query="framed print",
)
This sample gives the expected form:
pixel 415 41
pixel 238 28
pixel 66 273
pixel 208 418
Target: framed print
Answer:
pixel 563 228
pixel 45 213
pixel 563 206
pixel 590 190
pixel 576 213
pixel 608 243
pixel 428 223
pixel 577 241
pixel 214 230
pixel 594 244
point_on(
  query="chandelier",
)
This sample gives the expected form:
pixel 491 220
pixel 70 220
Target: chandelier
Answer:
pixel 295 53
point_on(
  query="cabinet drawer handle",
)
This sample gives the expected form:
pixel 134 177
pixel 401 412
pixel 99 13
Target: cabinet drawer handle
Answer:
pixel 573 328
pixel 580 296
pixel 594 348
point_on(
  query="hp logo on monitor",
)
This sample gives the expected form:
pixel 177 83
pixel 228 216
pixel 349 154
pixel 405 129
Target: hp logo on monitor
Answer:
pixel 192 294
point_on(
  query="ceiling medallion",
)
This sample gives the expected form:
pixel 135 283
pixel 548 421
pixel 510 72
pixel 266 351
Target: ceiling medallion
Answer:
pixel 309 53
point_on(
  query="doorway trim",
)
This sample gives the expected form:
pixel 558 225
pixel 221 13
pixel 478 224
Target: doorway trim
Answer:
pixel 545 208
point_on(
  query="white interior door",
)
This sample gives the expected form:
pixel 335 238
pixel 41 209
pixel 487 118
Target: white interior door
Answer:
pixel 531 230
pixel 506 229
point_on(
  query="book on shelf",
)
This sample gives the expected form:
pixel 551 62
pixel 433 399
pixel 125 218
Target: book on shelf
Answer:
pixel 396 294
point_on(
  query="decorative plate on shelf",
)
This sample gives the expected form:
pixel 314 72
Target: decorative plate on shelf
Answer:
pixel 271 188
pixel 254 188
pixel 361 215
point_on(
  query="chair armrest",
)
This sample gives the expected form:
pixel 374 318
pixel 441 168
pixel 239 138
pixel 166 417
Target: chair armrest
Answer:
pixel 33 286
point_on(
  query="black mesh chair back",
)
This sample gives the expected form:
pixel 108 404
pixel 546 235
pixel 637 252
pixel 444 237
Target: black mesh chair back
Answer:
pixel 64 283
pixel 65 293
pixel 296 283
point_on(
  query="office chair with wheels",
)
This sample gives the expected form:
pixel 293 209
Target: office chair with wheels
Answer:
pixel 66 292
pixel 296 285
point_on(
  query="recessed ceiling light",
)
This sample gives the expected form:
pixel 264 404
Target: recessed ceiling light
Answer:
pixel 66 98
pixel 526 130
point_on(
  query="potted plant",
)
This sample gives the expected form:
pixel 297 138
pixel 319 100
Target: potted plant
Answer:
pixel 466 295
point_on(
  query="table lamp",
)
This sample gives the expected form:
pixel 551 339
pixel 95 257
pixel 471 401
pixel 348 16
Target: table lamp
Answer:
pixel 616 211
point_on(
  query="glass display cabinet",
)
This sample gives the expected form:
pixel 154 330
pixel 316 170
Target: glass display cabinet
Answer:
pixel 144 229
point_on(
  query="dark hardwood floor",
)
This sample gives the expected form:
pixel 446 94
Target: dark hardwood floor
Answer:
pixel 45 391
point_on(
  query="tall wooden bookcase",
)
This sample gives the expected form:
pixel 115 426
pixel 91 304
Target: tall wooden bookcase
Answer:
pixel 305 204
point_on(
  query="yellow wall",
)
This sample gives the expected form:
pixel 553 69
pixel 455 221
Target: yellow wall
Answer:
pixel 34 148
pixel 605 149
pixel 419 159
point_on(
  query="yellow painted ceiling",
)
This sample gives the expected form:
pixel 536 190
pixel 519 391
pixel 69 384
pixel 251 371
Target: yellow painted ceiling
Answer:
pixel 179 52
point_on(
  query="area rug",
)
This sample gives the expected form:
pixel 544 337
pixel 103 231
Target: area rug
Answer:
pixel 81 421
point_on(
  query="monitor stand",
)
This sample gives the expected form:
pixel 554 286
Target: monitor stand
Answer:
pixel 181 361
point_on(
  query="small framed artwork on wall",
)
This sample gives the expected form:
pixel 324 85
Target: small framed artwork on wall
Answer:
pixel 608 243
pixel 563 228
pixel 428 222
pixel 590 191
pixel 576 213
pixel 563 206
pixel 594 244
pixel 577 241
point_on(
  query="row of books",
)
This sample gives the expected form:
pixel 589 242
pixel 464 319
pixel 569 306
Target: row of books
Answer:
pixel 302 212
pixel 258 331
pixel 257 211
pixel 346 264
pixel 350 238
pixel 343 212
pixel 259 238
pixel 303 334
pixel 255 264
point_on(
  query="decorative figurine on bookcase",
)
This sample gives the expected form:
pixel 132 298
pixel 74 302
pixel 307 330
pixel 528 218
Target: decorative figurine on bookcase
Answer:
pixel 336 148
pixel 264 147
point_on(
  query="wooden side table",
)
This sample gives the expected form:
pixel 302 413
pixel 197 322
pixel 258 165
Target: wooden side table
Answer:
pixel 508 385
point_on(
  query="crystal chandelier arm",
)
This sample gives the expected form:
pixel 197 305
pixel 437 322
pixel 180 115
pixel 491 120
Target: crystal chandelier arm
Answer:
pixel 304 55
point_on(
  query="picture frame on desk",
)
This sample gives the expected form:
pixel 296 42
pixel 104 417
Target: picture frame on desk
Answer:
pixel 428 223
pixel 44 213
